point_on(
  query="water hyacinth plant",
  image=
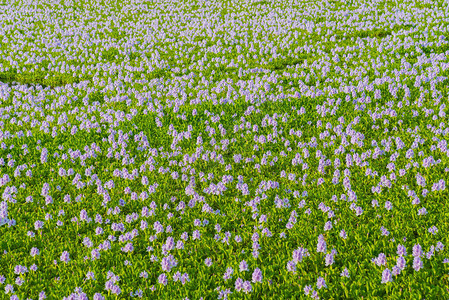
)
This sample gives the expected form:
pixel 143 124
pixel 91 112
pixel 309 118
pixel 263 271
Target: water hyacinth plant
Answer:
pixel 224 149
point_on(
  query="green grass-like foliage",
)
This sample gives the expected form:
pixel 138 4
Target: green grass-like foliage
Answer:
pixel 38 78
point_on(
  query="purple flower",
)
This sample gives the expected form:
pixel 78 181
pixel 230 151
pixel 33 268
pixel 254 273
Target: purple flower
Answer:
pixel 223 294
pixel 170 243
pixel 98 230
pixel 44 155
pixel 386 276
pixel 440 246
pixel 208 262
pixel 345 273
pixel 442 185
pixel 243 266
pixel 307 289
pixel 422 211
pixel 38 225
pixel 167 263
pixel 417 250
pixel 20 269
pixel 34 251
pixel 239 284
pixel 321 246
pixel 257 275
pixel 433 230
pixel 196 235
pixel 145 180
pixel 401 263
pixel 291 266
pixel 95 254
pixel 138 293
pixel 321 283
pixel 298 254
pixel 87 242
pixel 381 260
pixel 42 295
pixel 395 271
pixel 228 273
pixel 329 259
pixel 421 181
pixel 90 275
pixel 184 278
pixel 65 257
pixel 158 227
pixel 385 232
pixel 417 263
pixel 402 251
pixel 179 245
pixel 116 290
pixel 9 289
pixel 435 187
pixel 45 189
pixel 98 296
pixel 128 248
pixel 431 252
pixel 83 215
pixel 328 226
pixel 162 279
pixel 247 288
pixel 177 276
pixel 144 274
